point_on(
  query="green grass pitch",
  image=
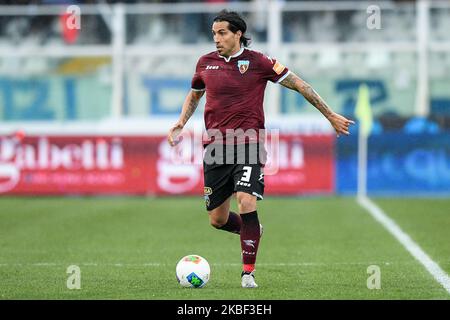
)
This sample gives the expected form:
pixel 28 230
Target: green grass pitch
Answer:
pixel 127 248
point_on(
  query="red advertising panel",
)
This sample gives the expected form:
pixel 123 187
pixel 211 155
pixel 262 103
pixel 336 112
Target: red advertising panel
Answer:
pixel 305 165
pixel 76 165
pixel 64 165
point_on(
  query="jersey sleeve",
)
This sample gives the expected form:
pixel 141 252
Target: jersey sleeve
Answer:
pixel 272 69
pixel 197 83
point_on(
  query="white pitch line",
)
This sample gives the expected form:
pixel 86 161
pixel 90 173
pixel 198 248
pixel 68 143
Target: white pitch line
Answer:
pixel 416 251
pixel 157 264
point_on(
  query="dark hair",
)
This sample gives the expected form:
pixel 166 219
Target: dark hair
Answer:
pixel 235 23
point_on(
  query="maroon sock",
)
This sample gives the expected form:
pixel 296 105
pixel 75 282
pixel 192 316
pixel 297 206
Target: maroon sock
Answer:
pixel 233 224
pixel 250 234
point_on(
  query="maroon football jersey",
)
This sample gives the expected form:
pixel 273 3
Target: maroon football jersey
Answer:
pixel 235 88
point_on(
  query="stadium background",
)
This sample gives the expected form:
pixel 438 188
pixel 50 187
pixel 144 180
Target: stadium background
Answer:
pixel 86 111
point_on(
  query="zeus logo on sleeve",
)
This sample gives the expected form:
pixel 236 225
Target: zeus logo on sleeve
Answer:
pixel 270 59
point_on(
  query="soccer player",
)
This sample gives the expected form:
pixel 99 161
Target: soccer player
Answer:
pixel 234 79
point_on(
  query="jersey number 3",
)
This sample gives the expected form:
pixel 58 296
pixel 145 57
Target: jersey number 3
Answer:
pixel 246 175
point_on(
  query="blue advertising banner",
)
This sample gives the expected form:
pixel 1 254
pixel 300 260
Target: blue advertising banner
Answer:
pixel 397 163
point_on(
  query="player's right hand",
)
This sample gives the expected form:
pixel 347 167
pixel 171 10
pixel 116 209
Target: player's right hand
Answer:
pixel 174 132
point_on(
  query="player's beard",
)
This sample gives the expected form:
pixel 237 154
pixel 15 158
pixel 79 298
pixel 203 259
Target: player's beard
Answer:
pixel 220 50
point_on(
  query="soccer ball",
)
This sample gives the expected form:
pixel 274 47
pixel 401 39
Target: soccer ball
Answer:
pixel 193 271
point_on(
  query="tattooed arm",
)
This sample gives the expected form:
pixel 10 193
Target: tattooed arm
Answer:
pixel 339 123
pixel 189 106
pixel 295 83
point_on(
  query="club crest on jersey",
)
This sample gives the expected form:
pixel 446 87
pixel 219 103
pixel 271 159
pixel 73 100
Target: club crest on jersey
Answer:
pixel 243 66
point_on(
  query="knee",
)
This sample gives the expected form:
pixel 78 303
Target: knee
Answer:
pixel 246 203
pixel 217 222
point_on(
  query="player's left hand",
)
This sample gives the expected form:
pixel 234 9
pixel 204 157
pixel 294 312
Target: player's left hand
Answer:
pixel 340 123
